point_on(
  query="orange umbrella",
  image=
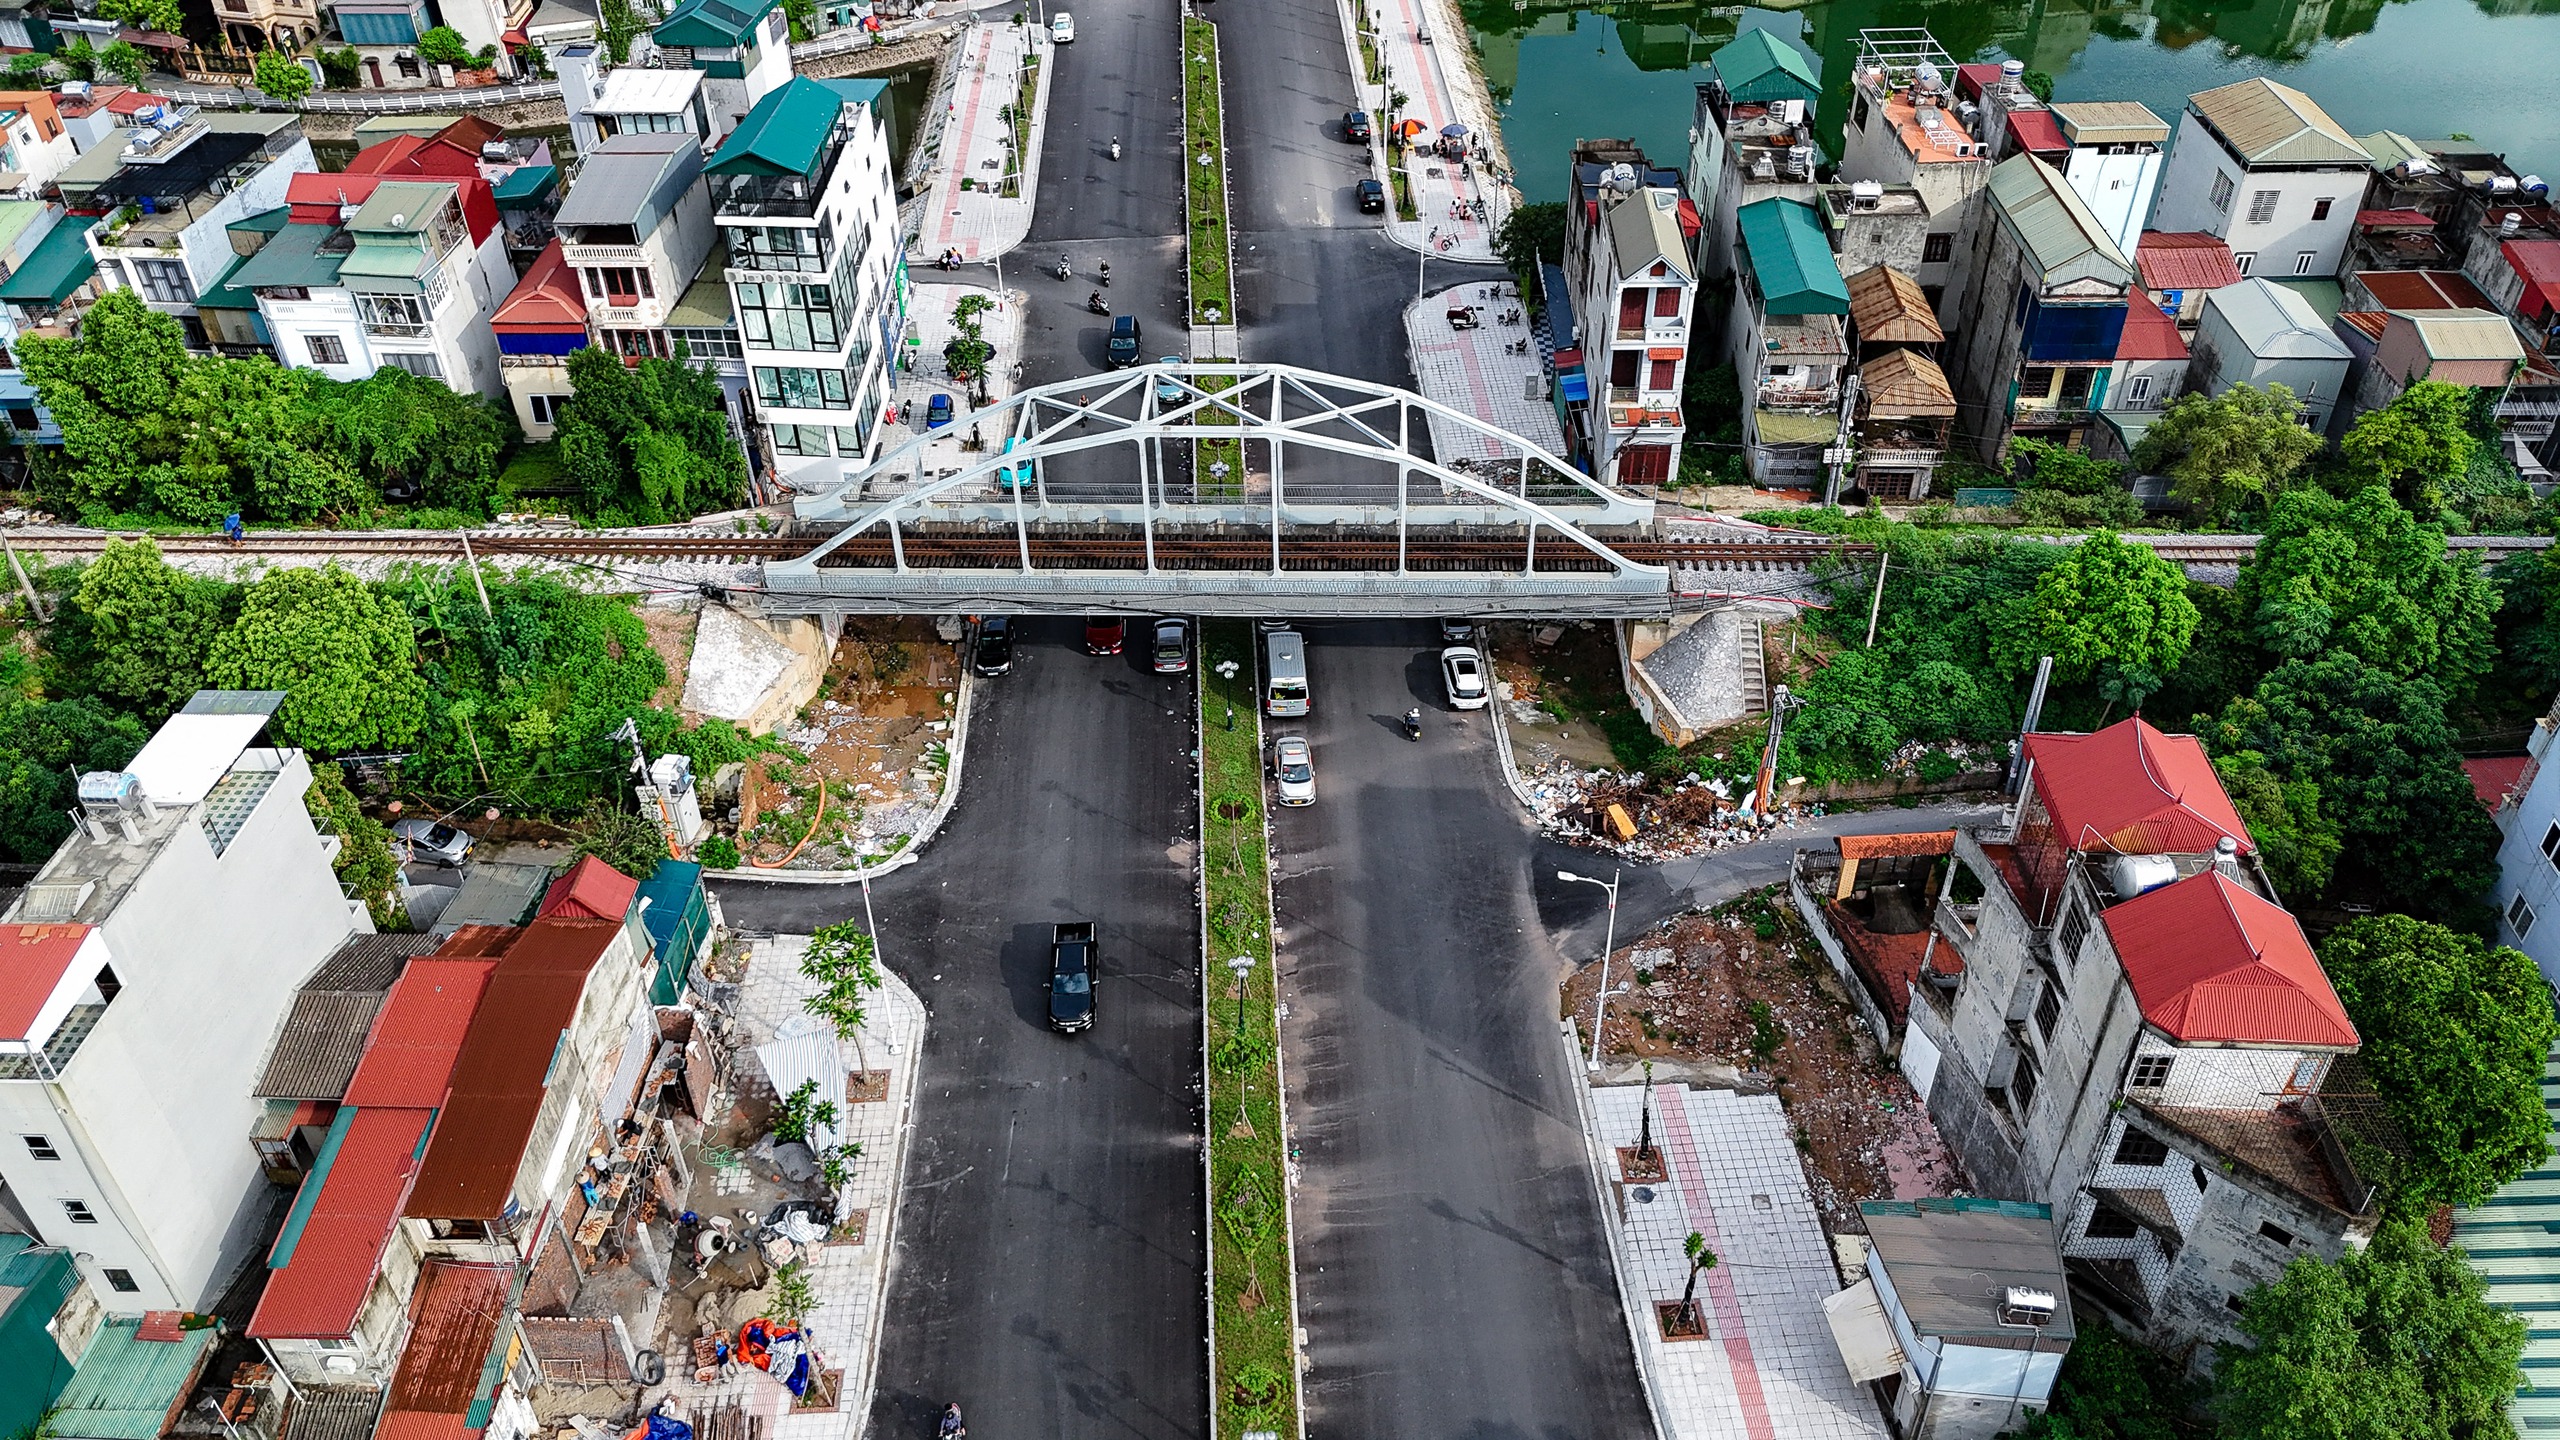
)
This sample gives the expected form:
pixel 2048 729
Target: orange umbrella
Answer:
pixel 1410 128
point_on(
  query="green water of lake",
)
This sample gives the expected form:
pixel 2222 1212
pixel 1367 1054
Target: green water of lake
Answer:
pixel 2489 69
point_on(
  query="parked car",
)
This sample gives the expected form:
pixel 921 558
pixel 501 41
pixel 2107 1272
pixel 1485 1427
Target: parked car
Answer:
pixel 1169 391
pixel 1103 634
pixel 1373 198
pixel 1062 28
pixel 1456 630
pixel 1010 478
pixel 1173 645
pixel 1293 771
pixel 1125 337
pixel 937 412
pixel 994 655
pixel 433 841
pixel 1462 670
pixel 1073 966
pixel 1355 126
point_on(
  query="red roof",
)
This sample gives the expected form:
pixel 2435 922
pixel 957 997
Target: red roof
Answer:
pixel 2493 779
pixel 453 1324
pixel 1690 223
pixel 2038 132
pixel 419 1032
pixel 165 1327
pixel 1973 79
pixel 1877 847
pixel 2394 220
pixel 33 960
pixel 592 890
pixel 2133 789
pixel 498 1082
pixel 2212 961
pixel 318 196
pixel 2537 263
pixel 2371 322
pixel 2184 260
pixel 323 1267
pixel 128 101
pixel 2148 334
pixel 2423 290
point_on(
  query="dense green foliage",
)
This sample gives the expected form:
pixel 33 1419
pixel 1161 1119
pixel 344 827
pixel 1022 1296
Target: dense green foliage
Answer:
pixel 149 429
pixel 43 745
pixel 138 630
pixel 365 864
pixel 2417 444
pixel 2382 755
pixel 2109 1390
pixel 340 650
pixel 629 842
pixel 2230 452
pixel 2111 615
pixel 1529 234
pixel 647 443
pixel 2062 487
pixel 277 75
pixel 2455 1032
pixel 2361 577
pixel 2298 842
pixel 2394 1342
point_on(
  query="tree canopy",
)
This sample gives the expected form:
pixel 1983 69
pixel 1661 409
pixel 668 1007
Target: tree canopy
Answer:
pixel 2297 842
pixel 2382 755
pixel 342 652
pixel 2229 451
pixel 276 74
pixel 43 745
pixel 648 443
pixel 2108 612
pixel 2419 446
pixel 2360 576
pixel 2456 1032
pixel 2065 487
pixel 2392 1342
pixel 146 628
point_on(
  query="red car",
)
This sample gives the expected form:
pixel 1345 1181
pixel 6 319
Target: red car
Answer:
pixel 1103 634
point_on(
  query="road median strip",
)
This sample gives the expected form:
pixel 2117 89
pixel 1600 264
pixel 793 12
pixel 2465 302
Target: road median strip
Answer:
pixel 1253 1358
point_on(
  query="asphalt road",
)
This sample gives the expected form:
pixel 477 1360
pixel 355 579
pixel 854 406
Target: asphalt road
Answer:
pixel 1048 1264
pixel 1453 1273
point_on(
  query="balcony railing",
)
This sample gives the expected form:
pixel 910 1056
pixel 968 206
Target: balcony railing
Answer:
pixel 390 331
pixel 1798 397
pixel 604 254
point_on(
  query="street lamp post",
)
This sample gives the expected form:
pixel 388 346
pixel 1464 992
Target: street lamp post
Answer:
pixel 1242 965
pixel 1600 1003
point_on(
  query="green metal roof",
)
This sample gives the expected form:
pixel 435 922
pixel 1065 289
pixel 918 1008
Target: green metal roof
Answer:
pixel 1790 260
pixel 713 23
pixel 293 257
pixel 126 1388
pixel 787 131
pixel 265 222
pixel 1760 67
pixel 523 187
pixel 223 294
pixel 2513 1243
pixel 2055 225
pixel 61 264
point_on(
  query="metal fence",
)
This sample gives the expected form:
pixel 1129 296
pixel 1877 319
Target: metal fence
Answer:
pixel 369 102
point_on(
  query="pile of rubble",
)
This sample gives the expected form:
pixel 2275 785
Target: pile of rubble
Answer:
pixel 1688 816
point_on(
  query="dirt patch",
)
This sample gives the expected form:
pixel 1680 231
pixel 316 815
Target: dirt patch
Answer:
pixel 1746 988
pixel 876 740
pixel 671 635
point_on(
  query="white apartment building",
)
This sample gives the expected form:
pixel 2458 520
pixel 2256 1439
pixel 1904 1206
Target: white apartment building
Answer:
pixel 150 958
pixel 2263 167
pixel 1626 253
pixel 2114 162
pixel 408 278
pixel 181 180
pixel 804 195
pixel 636 228
pixel 2528 890
pixel 633 100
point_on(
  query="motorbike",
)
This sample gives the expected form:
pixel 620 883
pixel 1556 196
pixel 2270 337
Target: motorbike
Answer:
pixel 1115 147
pixel 1094 303
pixel 1105 272
pixel 1064 269
pixel 952 1428
pixel 1413 724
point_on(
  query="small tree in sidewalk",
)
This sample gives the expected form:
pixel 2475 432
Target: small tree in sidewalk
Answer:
pixel 1700 1258
pixel 843 961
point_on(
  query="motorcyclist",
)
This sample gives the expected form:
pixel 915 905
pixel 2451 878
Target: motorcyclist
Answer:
pixel 1093 302
pixel 952 1428
pixel 1106 272
pixel 1115 147
pixel 1064 269
pixel 1413 721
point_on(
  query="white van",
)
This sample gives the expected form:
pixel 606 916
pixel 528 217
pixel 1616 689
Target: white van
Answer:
pixel 1284 686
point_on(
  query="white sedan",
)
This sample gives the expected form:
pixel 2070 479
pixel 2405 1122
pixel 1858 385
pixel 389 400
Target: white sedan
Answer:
pixel 1293 771
pixel 1462 671
pixel 1062 28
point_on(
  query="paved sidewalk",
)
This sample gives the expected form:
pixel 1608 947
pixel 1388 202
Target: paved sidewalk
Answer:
pixel 1441 88
pixel 1768 1367
pixel 848 1274
pixel 923 376
pixel 982 223
pixel 1470 370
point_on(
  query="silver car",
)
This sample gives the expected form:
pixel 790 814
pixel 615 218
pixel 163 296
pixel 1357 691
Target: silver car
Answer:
pixel 1293 771
pixel 433 841
pixel 1462 671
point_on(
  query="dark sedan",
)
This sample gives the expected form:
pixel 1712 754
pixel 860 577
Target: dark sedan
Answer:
pixel 994 654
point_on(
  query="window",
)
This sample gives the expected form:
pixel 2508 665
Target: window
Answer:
pixel 704 343
pixel 807 440
pixel 849 443
pixel 788 317
pixel 2242 260
pixel 408 66
pixel 798 388
pixel 2222 188
pixel 109 987
pixel 2320 208
pixel 2150 1072
pixel 326 349
pixel 393 315
pixel 1666 303
pixel 2520 918
pixel 2262 206
pixel 1664 372
pixel 23 417
pixel 2551 846
pixel 422 366
pixel 2303 260
pixel 2048 1011
pixel 2275 1232
pixel 78 1210
pixel 165 281
pixel 2137 389
pixel 1859 116
pixel 2022 1087
pixel 545 409
pixel 2075 929
pixel 41 1147
pixel 2108 1223
pixel 620 284
pixel 1938 248
pixel 2307 1074
pixel 120 1281
pixel 2139 1147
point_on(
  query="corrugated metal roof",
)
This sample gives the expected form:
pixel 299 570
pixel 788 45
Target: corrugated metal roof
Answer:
pixel 1888 308
pixel 639 90
pixel 2275 323
pixel 309 256
pixel 410 1060
pixel 2038 132
pixel 61 262
pixel 632 179
pixel 712 23
pixel 2055 225
pixel 324 1261
pixel 2185 260
pixel 333 1414
pixel 494 893
pixel 1791 259
pixel 2133 789
pixel 2272 124
pixel 128 1388
pixel 1878 847
pixel 786 131
pixel 2422 290
pixel 2148 334
pixel 498 1082
pixel 323 1036
pixel 1644 230
pixel 453 1325
pixel 1950 1260
pixel 2213 961
pixel 368 962
pixel 2513 1244
pixel 1757 67
pixel 33 960
pixel 546 299
pixel 592 890
pixel 2110 122
pixel 1905 384
pixel 2464 334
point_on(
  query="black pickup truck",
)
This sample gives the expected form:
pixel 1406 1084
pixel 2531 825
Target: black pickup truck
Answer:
pixel 1073 965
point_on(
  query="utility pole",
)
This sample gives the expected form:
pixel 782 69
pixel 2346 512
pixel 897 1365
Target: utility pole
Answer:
pixel 25 587
pixel 474 567
pixel 2035 712
pixel 1780 702
pixel 1875 607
